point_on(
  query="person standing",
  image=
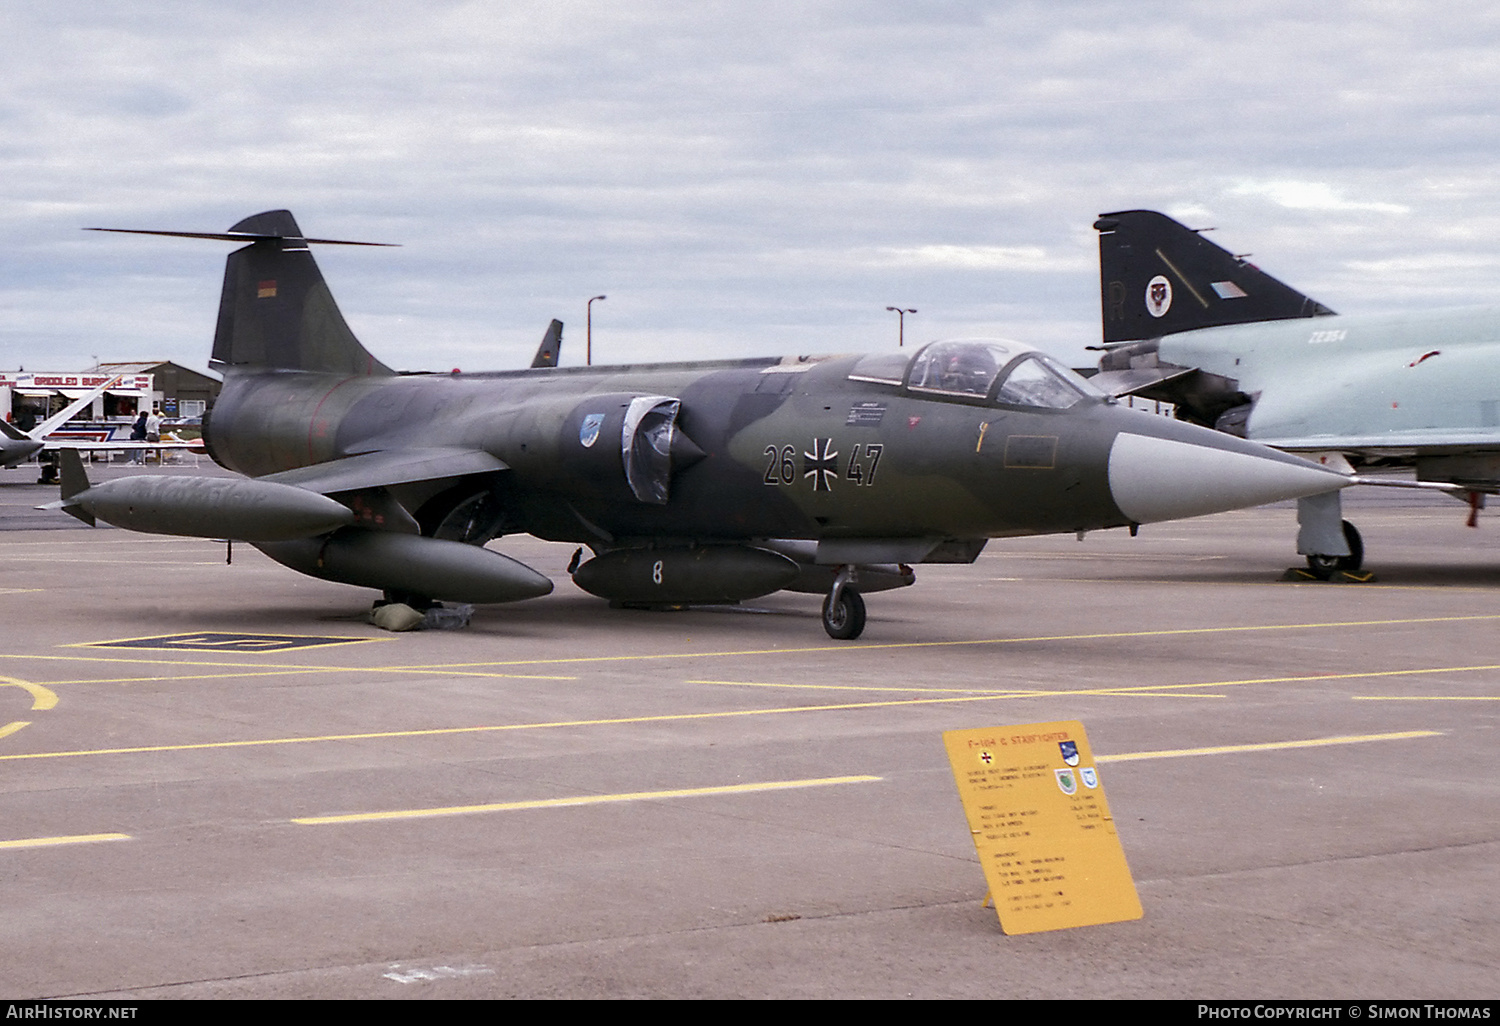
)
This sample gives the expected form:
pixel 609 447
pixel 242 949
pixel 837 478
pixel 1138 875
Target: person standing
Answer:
pixel 153 430
pixel 138 434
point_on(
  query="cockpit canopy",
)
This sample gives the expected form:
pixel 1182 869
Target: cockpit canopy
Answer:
pixel 998 371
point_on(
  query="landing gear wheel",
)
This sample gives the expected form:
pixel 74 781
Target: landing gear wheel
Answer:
pixel 1326 566
pixel 844 619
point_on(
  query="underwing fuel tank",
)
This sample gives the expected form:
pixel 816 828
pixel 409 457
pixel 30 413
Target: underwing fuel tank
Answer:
pixel 209 507
pixel 430 567
pixel 701 574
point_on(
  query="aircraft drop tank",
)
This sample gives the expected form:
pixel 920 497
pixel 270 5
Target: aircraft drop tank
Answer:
pixel 411 564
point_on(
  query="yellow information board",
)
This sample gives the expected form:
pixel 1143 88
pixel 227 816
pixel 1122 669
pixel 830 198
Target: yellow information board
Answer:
pixel 1042 828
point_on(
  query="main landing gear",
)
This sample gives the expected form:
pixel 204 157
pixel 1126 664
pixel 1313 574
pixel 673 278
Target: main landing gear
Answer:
pixel 1327 566
pixel 844 608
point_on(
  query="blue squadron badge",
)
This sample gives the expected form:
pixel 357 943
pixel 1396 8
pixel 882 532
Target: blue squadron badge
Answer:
pixel 1090 777
pixel 1067 781
pixel 588 434
pixel 1069 752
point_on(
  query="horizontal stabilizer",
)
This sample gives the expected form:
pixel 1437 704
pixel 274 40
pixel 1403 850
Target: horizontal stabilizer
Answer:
pixel 276 312
pixel 237 236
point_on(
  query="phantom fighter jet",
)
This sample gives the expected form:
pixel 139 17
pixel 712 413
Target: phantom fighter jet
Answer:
pixel 1189 323
pixel 690 483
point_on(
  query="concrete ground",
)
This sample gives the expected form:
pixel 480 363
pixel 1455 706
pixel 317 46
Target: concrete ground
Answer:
pixel 150 798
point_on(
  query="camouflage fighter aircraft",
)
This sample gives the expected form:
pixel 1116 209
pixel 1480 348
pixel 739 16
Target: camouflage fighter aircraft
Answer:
pixel 1187 322
pixel 690 483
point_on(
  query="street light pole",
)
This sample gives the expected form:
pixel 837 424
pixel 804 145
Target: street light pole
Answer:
pixel 900 323
pixel 589 333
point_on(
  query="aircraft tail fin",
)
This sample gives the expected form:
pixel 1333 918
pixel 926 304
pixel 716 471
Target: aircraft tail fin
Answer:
pixel 1157 277
pixel 547 352
pixel 276 311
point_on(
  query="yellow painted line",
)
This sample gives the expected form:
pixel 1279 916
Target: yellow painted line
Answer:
pixel 11 728
pixel 803 650
pixel 41 698
pixel 1270 746
pixel 851 687
pixel 590 799
pixel 1425 698
pixel 47 842
pixel 266 670
pixel 1146 690
pixel 18 591
pixel 1007 693
pixel 285 672
pixel 1151 690
pixel 225 646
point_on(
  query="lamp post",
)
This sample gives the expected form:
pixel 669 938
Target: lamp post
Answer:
pixel 589 332
pixel 900 323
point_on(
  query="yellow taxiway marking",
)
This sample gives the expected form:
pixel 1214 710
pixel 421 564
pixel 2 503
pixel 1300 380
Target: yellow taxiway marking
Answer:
pixel 997 692
pixel 983 692
pixel 1269 746
pixel 46 842
pixel 456 668
pixel 1425 698
pixel 589 799
pixel 41 698
pixel 253 669
pixel 236 638
pixel 1150 690
pixel 308 670
pixel 11 728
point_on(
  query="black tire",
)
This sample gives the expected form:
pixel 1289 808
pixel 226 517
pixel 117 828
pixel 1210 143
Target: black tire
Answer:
pixel 1326 566
pixel 846 621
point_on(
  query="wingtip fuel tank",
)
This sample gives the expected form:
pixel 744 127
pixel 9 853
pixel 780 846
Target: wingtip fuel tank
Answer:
pixel 241 509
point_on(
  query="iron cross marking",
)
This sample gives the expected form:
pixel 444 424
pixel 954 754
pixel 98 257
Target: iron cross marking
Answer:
pixel 821 465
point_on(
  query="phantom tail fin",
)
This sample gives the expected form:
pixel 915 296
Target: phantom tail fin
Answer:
pixel 276 311
pixel 1158 277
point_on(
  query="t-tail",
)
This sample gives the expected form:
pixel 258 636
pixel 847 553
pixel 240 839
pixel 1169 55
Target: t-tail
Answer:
pixel 276 312
pixel 1158 277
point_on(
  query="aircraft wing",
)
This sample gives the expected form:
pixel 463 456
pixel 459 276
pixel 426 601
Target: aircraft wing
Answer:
pixel 1137 379
pixel 388 467
pixel 115 445
pixel 14 450
pixel 60 418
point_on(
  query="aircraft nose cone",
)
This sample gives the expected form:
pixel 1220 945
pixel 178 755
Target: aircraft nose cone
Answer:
pixel 1154 479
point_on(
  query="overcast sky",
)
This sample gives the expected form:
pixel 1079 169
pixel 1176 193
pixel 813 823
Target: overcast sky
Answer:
pixel 738 178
